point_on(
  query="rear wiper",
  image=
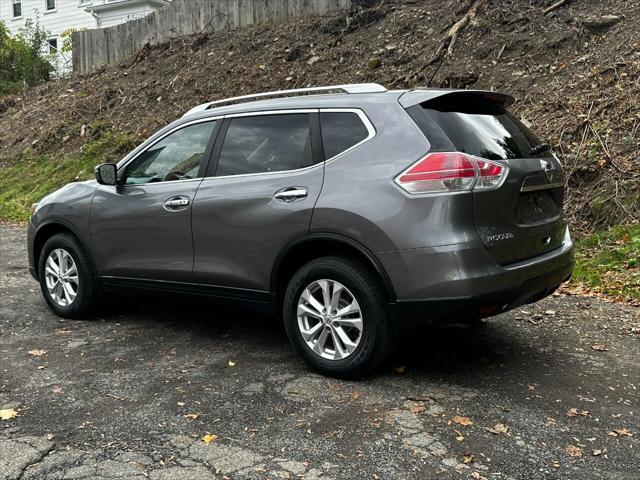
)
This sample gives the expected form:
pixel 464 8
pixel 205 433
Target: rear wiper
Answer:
pixel 543 147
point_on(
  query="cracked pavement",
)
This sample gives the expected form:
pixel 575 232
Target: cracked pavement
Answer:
pixel 130 393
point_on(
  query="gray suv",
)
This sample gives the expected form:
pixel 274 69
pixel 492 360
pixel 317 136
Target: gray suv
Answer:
pixel 348 210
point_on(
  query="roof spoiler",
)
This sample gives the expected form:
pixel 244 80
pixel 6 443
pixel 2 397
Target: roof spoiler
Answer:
pixel 417 96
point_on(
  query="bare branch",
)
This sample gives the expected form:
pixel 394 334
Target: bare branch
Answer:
pixel 555 6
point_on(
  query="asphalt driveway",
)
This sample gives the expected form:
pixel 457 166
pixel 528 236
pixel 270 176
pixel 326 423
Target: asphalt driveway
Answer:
pixel 186 389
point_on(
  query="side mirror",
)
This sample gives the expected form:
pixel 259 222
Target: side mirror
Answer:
pixel 107 174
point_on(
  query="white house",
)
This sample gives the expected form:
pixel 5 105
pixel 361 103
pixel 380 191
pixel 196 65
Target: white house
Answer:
pixel 58 16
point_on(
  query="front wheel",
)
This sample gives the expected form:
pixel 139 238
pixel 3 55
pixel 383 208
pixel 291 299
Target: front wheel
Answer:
pixel 335 316
pixel 66 277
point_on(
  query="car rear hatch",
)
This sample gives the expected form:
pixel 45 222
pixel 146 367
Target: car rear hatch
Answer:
pixel 522 218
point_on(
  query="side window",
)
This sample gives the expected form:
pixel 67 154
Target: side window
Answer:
pixel 341 131
pixel 176 157
pixel 267 143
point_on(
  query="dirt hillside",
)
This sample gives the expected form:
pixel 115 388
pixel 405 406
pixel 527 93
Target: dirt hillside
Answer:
pixel 575 72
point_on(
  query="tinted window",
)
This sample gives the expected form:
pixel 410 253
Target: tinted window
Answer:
pixel 478 126
pixel 341 131
pixel 176 157
pixel 268 143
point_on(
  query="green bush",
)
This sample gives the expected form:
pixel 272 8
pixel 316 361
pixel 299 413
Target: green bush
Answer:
pixel 22 60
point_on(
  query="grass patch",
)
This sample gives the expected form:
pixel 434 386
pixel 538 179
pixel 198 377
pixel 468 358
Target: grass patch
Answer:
pixel 27 181
pixel 608 262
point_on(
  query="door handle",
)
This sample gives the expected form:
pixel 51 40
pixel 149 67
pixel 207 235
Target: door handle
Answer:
pixel 291 193
pixel 176 203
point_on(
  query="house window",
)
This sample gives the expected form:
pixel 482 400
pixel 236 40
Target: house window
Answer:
pixel 52 44
pixel 51 5
pixel 17 8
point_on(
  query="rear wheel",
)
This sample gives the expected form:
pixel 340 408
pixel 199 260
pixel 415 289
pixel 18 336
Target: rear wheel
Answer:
pixel 66 276
pixel 335 316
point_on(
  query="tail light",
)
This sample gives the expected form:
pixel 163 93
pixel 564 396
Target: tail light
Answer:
pixel 442 172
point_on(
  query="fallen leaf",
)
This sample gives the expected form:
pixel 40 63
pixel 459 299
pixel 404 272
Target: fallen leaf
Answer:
pixel 37 353
pixel 8 414
pixel 232 363
pixel 181 404
pixel 208 438
pixel 192 416
pixel 417 408
pixel 57 389
pixel 467 459
pixel 573 451
pixel 399 369
pixel 464 421
pixel 574 412
pixel 620 432
pixel 498 428
pixel 599 348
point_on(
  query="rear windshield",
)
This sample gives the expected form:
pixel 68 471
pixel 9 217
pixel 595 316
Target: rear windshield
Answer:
pixel 476 125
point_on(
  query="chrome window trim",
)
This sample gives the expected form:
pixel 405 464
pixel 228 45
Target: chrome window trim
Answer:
pixel 363 118
pixel 241 175
pixel 144 147
pixel 145 185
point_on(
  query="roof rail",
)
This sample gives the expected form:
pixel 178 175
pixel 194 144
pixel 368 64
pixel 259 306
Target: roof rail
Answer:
pixel 348 88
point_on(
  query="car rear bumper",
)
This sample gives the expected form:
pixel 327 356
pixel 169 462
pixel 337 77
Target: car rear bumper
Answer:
pixel 459 282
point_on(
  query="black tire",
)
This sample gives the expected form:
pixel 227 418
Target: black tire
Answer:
pixel 88 287
pixel 377 336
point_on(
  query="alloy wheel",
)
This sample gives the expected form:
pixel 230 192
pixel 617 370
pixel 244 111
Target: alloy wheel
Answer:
pixel 61 276
pixel 329 319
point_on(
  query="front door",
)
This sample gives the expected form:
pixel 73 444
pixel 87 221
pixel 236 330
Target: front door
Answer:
pixel 141 229
pixel 258 196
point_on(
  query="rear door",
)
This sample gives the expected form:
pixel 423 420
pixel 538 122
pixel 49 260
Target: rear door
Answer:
pixel 264 179
pixel 523 218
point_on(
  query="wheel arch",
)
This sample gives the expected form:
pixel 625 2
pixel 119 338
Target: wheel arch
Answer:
pixel 48 230
pixel 315 245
